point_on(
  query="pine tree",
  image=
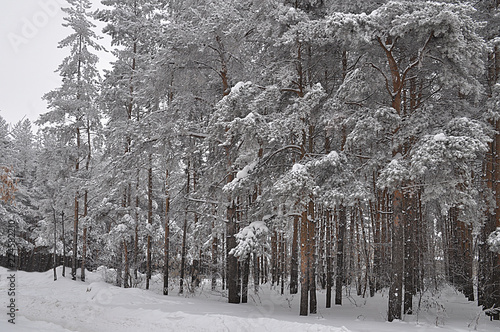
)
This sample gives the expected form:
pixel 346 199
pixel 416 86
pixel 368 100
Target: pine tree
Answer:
pixel 73 105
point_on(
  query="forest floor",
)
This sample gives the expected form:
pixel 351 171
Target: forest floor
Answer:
pixel 65 305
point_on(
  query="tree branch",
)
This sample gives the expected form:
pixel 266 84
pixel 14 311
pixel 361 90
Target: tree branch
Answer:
pixel 383 74
pixel 419 59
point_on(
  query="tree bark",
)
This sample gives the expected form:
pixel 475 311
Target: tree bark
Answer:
pixel 395 291
pixel 409 253
pixel 282 263
pixel 256 272
pixel 184 232
pixel 294 264
pixel 328 253
pixel 304 264
pixel 136 229
pixel 55 245
pixel 126 274
pixel 274 257
pixel 84 236
pixel 63 244
pixel 76 215
pixel 166 251
pixel 245 275
pixel 85 203
pixel 232 261
pixel 119 270
pixel 311 228
pixel 150 220
pixel 342 221
pixel 215 242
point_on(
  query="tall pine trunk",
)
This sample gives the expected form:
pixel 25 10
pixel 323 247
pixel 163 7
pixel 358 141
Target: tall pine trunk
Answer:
pixel 294 259
pixel 85 202
pixel 55 245
pixel 311 229
pixel 328 253
pixel 166 252
pixel 63 245
pixel 244 281
pixel 396 289
pixel 150 221
pixel 184 232
pixel 126 274
pixel 76 215
pixel 84 236
pixel 232 261
pixel 304 264
pixel 215 243
pixel 339 281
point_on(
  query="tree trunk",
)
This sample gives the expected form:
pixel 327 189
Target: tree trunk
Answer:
pixel 274 257
pixel 489 262
pixel 294 260
pixel 245 275
pixel 328 253
pixel 119 263
pixel 136 230
pixel 395 291
pixel 166 252
pixel 75 224
pixel 304 265
pixel 126 274
pixel 150 220
pixel 232 261
pixel 214 257
pixel 184 235
pixel 311 228
pixel 85 203
pixel 409 253
pixel 183 257
pixel 84 237
pixel 256 273
pixel 356 249
pixel 283 263
pixel 197 264
pixel 75 239
pixel 55 244
pixel 342 221
pixel 64 245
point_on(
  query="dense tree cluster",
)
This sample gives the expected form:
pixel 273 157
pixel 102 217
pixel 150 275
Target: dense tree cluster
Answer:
pixel 307 144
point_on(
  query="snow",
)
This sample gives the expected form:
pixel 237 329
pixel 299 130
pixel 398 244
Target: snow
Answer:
pixel 66 305
pixel 250 239
pixel 237 87
pixel 245 171
pixel 121 228
pixel 441 137
pixel 298 168
pixel 494 240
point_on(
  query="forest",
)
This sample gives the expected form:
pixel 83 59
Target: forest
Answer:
pixel 307 144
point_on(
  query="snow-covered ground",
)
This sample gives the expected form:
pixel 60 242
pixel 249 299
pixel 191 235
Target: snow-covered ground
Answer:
pixel 66 305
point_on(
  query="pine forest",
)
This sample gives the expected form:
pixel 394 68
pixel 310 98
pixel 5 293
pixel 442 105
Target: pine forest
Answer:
pixel 320 148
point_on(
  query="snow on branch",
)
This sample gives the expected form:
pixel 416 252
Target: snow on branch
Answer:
pixel 250 239
pixel 494 241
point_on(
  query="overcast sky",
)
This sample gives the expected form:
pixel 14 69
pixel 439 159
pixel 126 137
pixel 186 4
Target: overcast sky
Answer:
pixel 30 31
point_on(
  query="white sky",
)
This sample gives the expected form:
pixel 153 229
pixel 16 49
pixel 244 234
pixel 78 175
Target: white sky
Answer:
pixel 30 31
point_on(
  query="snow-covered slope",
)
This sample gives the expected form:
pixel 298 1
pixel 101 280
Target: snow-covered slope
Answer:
pixel 66 305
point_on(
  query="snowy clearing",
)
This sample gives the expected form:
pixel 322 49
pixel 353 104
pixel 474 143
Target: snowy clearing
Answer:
pixel 66 305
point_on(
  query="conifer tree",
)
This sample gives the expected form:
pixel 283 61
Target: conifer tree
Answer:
pixel 73 105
